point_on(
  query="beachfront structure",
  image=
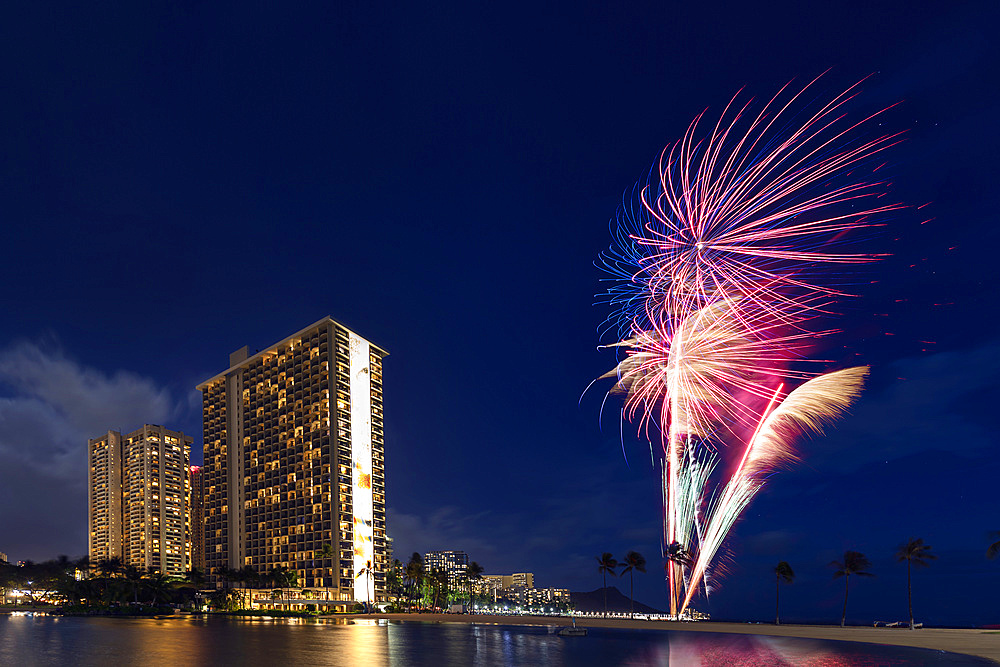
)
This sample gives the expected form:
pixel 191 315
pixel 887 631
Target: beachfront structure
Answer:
pixel 510 581
pixel 452 562
pixel 294 463
pixel 519 588
pixel 139 499
pixel 521 580
pixel 488 585
pixel 197 477
pixel 544 596
pixel 504 585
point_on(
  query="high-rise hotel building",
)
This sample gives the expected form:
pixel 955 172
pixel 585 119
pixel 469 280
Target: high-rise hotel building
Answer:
pixel 139 499
pixel 295 464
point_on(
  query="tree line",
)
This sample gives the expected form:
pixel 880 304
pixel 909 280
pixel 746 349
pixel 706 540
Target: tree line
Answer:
pixel 101 586
pixel 632 563
pixel 416 586
pixel 914 552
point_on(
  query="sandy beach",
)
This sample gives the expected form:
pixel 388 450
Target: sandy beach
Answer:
pixel 982 643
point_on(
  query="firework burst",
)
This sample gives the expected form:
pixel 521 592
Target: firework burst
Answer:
pixel 720 280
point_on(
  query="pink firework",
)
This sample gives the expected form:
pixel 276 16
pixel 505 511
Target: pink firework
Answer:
pixel 727 296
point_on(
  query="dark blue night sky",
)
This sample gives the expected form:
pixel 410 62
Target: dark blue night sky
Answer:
pixel 180 179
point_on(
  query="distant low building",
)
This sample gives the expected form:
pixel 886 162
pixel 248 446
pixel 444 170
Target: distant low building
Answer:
pixel 545 596
pixel 507 582
pixel 3 557
pixel 488 585
pixel 519 587
pixel 522 580
pixel 504 584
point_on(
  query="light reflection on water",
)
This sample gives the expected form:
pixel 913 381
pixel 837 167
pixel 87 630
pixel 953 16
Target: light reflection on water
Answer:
pixel 119 642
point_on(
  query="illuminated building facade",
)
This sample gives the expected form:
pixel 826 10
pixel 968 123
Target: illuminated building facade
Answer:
pixel 3 557
pixel 510 586
pixel 139 499
pixel 294 472
pixel 452 562
pixel 521 580
pixel 156 497
pixel 104 497
pixel 545 596
pixel 197 518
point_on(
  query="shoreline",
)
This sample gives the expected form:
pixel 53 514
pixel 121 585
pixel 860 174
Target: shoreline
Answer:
pixel 975 642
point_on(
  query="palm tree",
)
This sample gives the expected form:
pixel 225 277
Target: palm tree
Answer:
pixel 994 549
pixel 158 584
pixel 914 552
pixel 633 561
pixel 606 564
pixel 854 562
pixel 473 571
pixel 110 567
pixel 415 574
pixel 782 572
pixel 249 577
pixel 438 580
pixel 367 573
pixel 84 565
pixel 283 577
pixel 134 576
pixel 195 577
pixel 327 554
pixel 269 579
pixel 394 580
pixel 676 553
pixel 228 576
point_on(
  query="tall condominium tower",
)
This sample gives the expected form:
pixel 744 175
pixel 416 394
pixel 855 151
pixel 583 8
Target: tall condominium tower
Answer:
pixel 197 518
pixel 294 462
pixel 104 482
pixel 140 498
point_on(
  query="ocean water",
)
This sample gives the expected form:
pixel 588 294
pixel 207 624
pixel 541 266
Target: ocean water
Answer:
pixel 117 642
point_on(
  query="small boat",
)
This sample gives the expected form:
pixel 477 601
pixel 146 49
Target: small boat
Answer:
pixel 573 631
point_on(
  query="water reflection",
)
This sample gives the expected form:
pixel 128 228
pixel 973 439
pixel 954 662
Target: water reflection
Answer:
pixel 119 642
pixel 726 650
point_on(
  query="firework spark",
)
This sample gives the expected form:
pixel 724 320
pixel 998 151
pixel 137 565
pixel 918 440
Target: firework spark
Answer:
pixel 717 291
pixel 806 410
